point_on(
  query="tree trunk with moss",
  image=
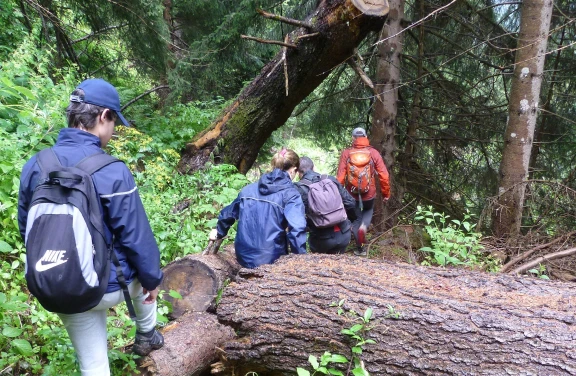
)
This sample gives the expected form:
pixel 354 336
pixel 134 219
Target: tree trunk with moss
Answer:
pixel 336 27
pixel 426 321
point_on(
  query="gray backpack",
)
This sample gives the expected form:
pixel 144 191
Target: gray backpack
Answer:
pixel 325 207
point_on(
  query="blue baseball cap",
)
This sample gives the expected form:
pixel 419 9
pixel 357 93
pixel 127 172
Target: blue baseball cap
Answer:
pixel 100 93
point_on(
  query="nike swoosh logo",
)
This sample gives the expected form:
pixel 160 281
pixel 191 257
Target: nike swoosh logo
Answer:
pixel 43 267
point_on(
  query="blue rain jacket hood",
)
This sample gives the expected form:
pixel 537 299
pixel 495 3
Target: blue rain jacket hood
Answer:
pixel 270 216
pixel 123 211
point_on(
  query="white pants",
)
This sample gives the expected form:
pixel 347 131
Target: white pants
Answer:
pixel 88 333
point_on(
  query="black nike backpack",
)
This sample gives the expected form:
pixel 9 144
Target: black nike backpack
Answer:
pixel 67 256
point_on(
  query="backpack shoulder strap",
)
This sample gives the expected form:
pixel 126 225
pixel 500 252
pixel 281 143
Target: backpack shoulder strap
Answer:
pixel 305 182
pixel 47 160
pixel 95 162
pixel 90 165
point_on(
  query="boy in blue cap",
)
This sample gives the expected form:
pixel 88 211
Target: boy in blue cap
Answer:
pixel 92 113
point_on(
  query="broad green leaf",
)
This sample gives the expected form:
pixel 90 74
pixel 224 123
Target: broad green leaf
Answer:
pixel 6 168
pixel 22 347
pixel 368 314
pixel 10 331
pixel 13 306
pixel 356 328
pixel 6 81
pixel 313 361
pixel 357 350
pixel 302 372
pixel 337 358
pixel 25 91
pixel 5 247
pixel 335 372
pixel 175 294
pixel 359 372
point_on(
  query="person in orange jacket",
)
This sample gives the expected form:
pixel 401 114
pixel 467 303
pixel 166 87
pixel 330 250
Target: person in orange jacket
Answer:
pixel 357 171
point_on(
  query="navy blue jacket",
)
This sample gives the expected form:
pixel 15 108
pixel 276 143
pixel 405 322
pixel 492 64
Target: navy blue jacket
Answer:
pixel 264 210
pixel 123 212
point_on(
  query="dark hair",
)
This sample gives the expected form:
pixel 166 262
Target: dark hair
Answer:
pixel 85 114
pixel 306 165
pixel 285 159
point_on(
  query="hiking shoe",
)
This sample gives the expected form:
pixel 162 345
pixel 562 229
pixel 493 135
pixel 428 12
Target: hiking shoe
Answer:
pixel 146 342
pixel 361 251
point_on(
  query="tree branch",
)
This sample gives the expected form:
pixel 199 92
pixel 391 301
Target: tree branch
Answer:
pixel 268 41
pixel 363 76
pixel 527 254
pixel 143 95
pixel 552 256
pixel 97 32
pixel 285 20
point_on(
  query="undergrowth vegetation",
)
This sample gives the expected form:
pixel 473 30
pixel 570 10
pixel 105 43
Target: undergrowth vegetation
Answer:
pixel 453 242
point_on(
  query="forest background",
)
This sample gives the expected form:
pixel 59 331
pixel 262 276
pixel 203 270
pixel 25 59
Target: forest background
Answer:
pixel 437 88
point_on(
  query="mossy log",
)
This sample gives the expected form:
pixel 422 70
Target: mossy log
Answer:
pixel 190 346
pixel 426 321
pixel 337 28
pixel 198 279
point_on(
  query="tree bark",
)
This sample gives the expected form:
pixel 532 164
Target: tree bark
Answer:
pixel 426 321
pixel 522 114
pixel 198 279
pixel 190 346
pixel 383 135
pixel 241 130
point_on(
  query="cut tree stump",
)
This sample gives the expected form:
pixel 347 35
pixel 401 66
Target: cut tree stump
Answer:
pixel 427 321
pixel 190 346
pixel 198 278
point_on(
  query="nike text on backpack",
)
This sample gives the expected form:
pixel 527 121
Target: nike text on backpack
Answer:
pixel 67 256
pixel 325 207
pixel 359 170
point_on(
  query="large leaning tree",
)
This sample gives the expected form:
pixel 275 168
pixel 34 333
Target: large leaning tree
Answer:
pixel 324 40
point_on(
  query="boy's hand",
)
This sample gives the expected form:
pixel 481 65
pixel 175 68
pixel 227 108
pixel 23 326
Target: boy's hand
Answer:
pixel 151 298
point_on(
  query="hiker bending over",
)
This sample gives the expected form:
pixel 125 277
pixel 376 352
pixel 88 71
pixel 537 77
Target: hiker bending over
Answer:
pixel 93 110
pixel 329 209
pixel 270 215
pixel 358 167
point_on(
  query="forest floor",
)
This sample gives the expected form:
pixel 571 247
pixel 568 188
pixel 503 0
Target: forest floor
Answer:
pixel 403 243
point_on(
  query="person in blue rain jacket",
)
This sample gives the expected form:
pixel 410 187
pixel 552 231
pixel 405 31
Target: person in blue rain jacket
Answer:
pixel 270 215
pixel 92 114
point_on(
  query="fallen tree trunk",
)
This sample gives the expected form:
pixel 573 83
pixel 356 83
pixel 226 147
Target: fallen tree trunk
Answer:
pixel 336 29
pixel 427 321
pixel 198 279
pixel 190 346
